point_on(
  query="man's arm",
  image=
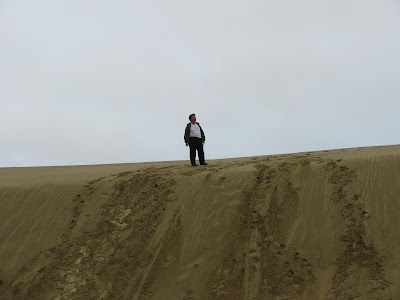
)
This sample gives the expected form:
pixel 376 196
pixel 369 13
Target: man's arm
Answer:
pixel 186 136
pixel 202 134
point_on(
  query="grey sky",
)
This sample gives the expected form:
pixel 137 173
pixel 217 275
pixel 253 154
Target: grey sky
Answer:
pixel 90 82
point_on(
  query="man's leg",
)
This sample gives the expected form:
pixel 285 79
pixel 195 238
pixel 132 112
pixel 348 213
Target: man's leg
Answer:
pixel 192 146
pixel 201 151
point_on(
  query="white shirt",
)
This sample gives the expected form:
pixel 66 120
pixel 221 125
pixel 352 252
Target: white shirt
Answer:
pixel 195 131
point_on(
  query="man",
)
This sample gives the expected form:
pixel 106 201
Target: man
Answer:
pixel 195 139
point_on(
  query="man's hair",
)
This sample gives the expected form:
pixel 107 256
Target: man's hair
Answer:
pixel 190 117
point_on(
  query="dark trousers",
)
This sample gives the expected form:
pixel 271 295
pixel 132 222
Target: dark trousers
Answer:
pixel 196 144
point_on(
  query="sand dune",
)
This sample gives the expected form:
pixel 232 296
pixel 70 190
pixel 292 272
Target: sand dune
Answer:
pixel 317 225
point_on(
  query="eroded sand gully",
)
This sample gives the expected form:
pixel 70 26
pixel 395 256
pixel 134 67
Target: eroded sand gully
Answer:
pixel 298 226
pixel 113 244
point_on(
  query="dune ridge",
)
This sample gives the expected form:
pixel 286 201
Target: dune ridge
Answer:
pixel 313 225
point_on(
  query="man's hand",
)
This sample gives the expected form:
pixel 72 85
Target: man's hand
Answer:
pixel 187 144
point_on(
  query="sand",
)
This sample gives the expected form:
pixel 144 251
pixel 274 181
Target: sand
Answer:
pixel 314 225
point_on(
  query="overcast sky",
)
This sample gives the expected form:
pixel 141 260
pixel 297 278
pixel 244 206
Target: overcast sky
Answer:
pixel 94 82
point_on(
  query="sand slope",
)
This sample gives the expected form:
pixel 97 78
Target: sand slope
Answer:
pixel 318 225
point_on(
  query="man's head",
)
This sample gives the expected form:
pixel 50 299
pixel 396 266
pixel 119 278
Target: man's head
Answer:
pixel 192 118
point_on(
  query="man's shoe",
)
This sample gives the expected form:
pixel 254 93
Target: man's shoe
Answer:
pixel 205 164
pixel 194 165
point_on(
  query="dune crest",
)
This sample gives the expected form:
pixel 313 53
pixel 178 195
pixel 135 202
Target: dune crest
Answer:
pixel 316 225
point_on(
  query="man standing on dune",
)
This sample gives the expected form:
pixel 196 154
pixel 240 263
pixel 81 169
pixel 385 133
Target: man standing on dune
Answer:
pixel 195 139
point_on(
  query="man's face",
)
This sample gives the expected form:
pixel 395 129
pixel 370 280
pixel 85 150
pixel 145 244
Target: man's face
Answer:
pixel 193 118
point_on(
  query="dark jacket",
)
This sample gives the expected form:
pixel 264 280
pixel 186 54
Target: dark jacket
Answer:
pixel 187 132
